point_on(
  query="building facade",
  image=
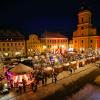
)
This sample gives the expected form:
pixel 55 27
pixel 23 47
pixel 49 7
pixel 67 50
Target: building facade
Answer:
pixel 12 44
pixel 70 45
pixel 54 42
pixel 33 45
pixel 86 35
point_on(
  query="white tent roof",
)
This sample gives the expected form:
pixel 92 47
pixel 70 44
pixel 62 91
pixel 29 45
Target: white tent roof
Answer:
pixel 21 69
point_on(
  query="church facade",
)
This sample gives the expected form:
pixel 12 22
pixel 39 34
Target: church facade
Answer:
pixel 85 36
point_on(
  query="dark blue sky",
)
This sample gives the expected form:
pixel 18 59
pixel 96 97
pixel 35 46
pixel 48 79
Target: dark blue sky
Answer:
pixel 40 15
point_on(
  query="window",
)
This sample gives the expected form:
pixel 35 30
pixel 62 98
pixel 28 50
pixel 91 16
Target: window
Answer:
pixel 15 43
pixel 11 44
pixel 3 49
pixel 8 49
pixel 48 41
pixel 82 20
pixel 3 44
pixel 82 28
pixel 91 41
pixel 82 41
pixel 7 44
pixel 75 41
pixel 18 43
pixel 0 49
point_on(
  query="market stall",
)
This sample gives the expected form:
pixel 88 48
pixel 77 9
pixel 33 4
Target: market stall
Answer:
pixel 21 72
pixel 66 66
pixel 48 70
pixel 73 64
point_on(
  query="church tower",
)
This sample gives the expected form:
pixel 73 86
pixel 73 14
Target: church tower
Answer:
pixel 84 23
pixel 83 36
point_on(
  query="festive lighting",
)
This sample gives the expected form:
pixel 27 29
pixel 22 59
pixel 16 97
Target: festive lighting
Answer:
pixel 19 78
pixel 6 54
pixel 44 47
pixel 70 49
pixel 17 53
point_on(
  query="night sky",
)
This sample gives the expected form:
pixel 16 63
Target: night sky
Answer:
pixel 51 15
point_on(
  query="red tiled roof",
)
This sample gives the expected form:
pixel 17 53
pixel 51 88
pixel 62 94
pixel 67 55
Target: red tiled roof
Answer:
pixel 53 35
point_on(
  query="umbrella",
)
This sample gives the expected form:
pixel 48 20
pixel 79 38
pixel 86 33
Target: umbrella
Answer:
pixel 21 69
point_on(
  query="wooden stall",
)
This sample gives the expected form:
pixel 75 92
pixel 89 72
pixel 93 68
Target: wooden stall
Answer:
pixel 74 65
pixel 66 66
pixel 59 69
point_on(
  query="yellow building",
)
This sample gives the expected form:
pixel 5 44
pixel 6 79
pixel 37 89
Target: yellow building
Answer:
pixel 33 45
pixel 12 44
pixel 54 41
pixel 85 36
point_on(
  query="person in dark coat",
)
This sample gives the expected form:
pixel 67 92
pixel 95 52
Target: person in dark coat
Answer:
pixel 55 77
pixel 45 78
pixel 24 85
pixel 20 85
pixel 34 86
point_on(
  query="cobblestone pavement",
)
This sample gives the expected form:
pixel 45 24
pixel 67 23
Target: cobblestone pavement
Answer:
pixel 44 91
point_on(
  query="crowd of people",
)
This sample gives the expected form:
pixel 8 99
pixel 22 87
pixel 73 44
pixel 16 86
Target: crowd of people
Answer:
pixel 40 61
